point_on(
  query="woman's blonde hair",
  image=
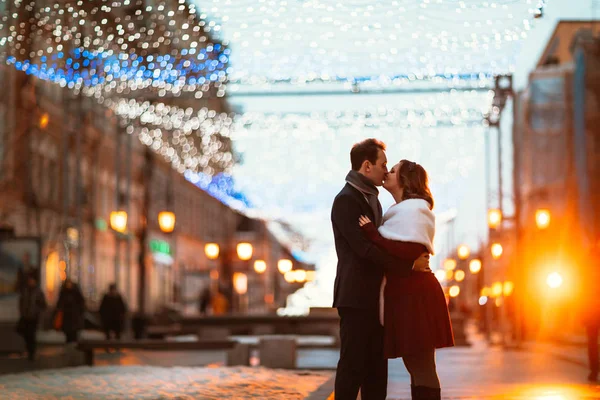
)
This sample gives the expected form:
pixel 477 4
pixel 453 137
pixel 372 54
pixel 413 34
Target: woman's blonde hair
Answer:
pixel 414 181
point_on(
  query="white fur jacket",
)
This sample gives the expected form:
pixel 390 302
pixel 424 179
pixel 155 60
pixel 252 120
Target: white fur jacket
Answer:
pixel 408 221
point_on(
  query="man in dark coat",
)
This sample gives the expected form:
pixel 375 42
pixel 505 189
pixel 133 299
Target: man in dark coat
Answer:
pixel 72 305
pixel 112 312
pixel 360 271
pixel 31 304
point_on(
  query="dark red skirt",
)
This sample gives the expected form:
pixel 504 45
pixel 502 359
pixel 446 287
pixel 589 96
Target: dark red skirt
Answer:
pixel 416 315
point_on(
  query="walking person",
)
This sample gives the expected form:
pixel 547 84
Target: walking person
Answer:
pixel 71 305
pixel 360 269
pixel 31 304
pixel 112 313
pixel 413 310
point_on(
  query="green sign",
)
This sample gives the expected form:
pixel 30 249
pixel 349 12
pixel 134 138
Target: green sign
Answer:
pixel 101 224
pixel 160 246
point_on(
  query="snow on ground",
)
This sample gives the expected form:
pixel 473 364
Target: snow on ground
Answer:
pixel 143 382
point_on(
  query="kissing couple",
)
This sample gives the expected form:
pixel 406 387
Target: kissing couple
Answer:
pixel 390 303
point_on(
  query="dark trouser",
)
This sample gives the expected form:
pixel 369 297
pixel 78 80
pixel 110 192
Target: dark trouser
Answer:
pixel 592 336
pixel 362 364
pixel 29 330
pixel 71 336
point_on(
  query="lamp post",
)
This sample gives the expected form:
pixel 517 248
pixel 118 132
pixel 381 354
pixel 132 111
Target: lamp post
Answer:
pixel 244 252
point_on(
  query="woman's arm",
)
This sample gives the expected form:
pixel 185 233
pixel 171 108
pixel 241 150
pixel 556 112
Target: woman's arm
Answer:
pixel 405 250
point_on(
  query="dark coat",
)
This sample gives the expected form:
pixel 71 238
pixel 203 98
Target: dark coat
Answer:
pixel 31 303
pixel 72 304
pixel 112 311
pixel 361 264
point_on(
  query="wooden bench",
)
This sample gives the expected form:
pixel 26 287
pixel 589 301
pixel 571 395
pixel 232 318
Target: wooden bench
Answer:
pixel 88 346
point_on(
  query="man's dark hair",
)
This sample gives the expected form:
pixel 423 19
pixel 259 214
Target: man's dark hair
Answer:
pixel 365 151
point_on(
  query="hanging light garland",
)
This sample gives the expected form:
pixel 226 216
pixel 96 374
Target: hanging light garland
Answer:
pixel 190 141
pixel 329 40
pixel 107 47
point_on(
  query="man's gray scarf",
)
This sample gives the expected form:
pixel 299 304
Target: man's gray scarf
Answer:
pixel 368 189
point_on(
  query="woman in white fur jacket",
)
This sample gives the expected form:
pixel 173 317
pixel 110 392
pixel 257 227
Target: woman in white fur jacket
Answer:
pixel 413 309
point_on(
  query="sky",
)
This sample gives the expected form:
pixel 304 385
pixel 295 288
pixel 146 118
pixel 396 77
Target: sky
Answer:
pixel 296 149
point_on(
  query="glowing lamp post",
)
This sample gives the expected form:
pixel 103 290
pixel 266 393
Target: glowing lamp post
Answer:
pixel 166 221
pixel 244 251
pixel 475 266
pixel 497 250
pixel 463 252
pixel 284 265
pixel 542 218
pixel 211 250
pixel 118 221
pixel 494 218
pixel 260 266
pixel 554 280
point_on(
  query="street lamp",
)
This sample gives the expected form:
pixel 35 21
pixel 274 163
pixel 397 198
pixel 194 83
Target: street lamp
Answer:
pixel 449 264
pixel 554 280
pixel 240 283
pixel 166 221
pixel 260 266
pixel 118 221
pixel 475 266
pixel 284 265
pixel 542 218
pixel 211 250
pixel 44 119
pixel 494 218
pixel 463 251
pixel 244 251
pixel 454 291
pixel 496 250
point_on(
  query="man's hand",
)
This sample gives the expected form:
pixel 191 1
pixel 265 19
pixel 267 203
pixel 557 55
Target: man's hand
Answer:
pixel 422 263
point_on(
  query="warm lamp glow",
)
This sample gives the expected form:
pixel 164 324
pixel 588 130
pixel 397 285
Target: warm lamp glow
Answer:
pixel 463 251
pixel 440 274
pixel 211 250
pixel 508 288
pixel 284 265
pixel 475 266
pixel 118 221
pixel 554 280
pixel 311 276
pixel 260 266
pixel 300 275
pixel 449 275
pixel 494 218
pixel 166 221
pixel 240 282
pixel 497 289
pixel 454 291
pixel 44 119
pixel 290 276
pixel 449 264
pixel 244 251
pixel 497 250
pixel 542 218
pixel 459 275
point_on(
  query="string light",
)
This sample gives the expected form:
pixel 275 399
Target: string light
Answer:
pixel 117 47
pixel 298 42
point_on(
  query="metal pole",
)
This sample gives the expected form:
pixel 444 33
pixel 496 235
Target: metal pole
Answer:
pixel 500 194
pixel 117 198
pixel 78 193
pixel 128 205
